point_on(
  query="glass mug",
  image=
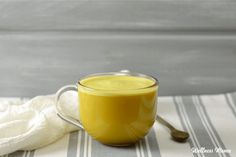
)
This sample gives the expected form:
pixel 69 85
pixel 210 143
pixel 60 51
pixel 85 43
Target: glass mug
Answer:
pixel 116 116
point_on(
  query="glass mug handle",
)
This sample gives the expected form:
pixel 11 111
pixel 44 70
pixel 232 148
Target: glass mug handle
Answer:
pixel 62 115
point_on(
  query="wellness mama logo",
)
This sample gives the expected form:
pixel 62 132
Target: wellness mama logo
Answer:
pixel 205 150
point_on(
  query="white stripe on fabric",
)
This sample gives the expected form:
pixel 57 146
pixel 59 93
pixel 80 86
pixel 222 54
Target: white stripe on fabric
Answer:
pixel 137 149
pixel 89 146
pixel 27 154
pixel 85 144
pixel 188 125
pixel 148 147
pixel 24 154
pixel 57 149
pixel 156 136
pixel 153 143
pixel 32 153
pixel 141 148
pixel 155 128
pixel 72 144
pixel 79 143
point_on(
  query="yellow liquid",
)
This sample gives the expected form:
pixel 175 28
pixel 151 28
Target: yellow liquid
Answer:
pixel 120 110
pixel 117 82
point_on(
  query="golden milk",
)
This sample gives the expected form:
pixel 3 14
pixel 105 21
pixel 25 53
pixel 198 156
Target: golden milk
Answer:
pixel 117 109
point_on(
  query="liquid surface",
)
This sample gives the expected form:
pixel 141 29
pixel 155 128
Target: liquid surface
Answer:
pixel 116 82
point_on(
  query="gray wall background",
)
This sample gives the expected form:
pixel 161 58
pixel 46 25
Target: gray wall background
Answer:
pixel 190 46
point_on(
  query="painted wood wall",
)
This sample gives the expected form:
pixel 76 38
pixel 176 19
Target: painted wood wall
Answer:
pixel 189 45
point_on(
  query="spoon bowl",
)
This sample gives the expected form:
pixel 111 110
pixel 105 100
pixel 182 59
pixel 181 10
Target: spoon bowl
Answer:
pixel 179 136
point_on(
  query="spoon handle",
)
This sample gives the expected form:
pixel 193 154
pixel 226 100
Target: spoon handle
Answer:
pixel 164 122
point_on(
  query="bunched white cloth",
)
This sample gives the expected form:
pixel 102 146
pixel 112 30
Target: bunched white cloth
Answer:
pixel 27 125
pixel 209 119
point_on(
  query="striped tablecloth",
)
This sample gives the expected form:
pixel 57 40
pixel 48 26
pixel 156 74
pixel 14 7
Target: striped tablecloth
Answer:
pixel 210 120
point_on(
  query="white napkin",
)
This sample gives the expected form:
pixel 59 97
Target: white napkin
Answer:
pixel 33 124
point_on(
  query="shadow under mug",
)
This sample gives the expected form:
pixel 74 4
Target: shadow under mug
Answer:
pixel 113 117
